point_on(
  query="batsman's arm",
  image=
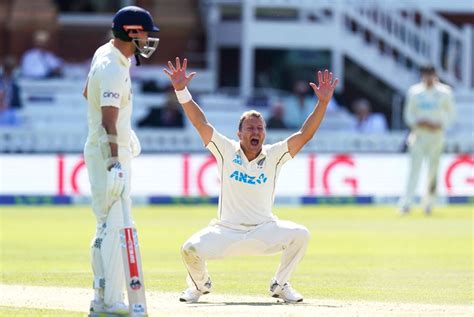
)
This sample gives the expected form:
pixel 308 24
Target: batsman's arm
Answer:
pixel 195 114
pixel 324 91
pixel 109 121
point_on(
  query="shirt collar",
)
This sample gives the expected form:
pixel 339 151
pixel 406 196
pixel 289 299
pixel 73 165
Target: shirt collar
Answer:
pixel 122 58
pixel 239 149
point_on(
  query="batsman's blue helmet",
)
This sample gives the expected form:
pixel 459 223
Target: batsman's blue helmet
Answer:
pixel 132 18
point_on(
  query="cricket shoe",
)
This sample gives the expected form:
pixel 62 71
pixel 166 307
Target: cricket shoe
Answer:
pixel 99 309
pixel 118 309
pixel 192 295
pixel 285 292
pixel 96 307
pixel 427 210
pixel 404 210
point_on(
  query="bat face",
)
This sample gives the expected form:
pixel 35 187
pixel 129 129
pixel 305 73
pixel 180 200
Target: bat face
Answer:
pixel 133 271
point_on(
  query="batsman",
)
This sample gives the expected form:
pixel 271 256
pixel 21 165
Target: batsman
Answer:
pixel 248 171
pixel 110 146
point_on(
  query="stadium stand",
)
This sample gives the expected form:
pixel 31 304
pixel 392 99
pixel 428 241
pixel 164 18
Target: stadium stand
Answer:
pixel 385 43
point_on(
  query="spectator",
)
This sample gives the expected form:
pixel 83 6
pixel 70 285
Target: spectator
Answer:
pixel 168 116
pixel 299 105
pixel 9 97
pixel 39 62
pixel 276 120
pixel 366 121
pixel 8 83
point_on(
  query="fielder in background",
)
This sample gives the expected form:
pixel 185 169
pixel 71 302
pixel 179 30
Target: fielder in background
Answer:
pixel 110 146
pixel 429 110
pixel 248 173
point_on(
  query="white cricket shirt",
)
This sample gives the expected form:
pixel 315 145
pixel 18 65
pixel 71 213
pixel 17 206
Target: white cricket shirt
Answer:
pixel 109 85
pixel 247 188
pixel 435 105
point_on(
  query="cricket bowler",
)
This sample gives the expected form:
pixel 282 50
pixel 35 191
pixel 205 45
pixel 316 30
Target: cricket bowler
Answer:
pixel 248 172
pixel 428 112
pixel 110 146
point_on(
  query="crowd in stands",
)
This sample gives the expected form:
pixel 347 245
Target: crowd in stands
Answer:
pixel 287 112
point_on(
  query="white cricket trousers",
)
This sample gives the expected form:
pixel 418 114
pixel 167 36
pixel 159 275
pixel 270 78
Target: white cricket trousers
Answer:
pixel 423 145
pixel 107 265
pixel 218 241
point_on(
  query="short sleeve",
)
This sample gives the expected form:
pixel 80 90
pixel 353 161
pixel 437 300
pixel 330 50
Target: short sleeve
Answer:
pixel 279 152
pixel 112 86
pixel 219 145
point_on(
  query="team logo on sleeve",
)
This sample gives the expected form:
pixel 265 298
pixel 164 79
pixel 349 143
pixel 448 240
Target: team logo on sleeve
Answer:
pixel 111 94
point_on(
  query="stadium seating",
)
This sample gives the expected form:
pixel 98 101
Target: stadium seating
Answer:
pixel 54 119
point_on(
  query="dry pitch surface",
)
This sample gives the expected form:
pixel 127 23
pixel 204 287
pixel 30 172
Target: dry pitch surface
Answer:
pixel 167 304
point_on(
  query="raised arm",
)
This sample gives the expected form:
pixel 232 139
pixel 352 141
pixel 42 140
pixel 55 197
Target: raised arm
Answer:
pixel 324 92
pixel 180 80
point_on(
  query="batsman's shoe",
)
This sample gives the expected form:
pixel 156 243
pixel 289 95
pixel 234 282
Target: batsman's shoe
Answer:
pixel 192 295
pixel 285 292
pixel 96 307
pixel 117 309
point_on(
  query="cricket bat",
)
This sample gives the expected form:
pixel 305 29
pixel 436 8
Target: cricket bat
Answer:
pixel 132 264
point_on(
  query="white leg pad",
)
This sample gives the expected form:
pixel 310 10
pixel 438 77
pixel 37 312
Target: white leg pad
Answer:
pixel 96 263
pixel 112 257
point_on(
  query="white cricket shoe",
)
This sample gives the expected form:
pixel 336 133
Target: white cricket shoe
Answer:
pixel 192 295
pixel 285 292
pixel 97 306
pixel 118 308
pixel 428 210
pixel 404 210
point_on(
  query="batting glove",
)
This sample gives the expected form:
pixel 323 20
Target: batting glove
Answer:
pixel 115 181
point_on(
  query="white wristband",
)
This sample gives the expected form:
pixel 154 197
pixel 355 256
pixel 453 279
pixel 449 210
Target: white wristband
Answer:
pixel 183 95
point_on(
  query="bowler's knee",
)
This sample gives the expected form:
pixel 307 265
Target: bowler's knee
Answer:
pixel 188 250
pixel 302 235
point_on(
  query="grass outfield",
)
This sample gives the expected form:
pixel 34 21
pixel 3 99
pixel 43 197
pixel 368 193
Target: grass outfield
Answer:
pixel 356 253
pixel 22 311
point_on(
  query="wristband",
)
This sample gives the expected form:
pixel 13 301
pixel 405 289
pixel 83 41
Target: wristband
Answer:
pixel 183 95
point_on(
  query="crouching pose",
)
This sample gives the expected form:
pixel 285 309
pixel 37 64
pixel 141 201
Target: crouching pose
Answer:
pixel 248 172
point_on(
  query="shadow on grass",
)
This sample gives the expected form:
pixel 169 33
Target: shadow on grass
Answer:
pixel 209 304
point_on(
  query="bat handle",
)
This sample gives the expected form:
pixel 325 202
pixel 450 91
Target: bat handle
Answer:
pixel 127 220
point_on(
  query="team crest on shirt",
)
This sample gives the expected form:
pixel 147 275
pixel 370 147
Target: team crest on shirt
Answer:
pixel 237 159
pixel 260 163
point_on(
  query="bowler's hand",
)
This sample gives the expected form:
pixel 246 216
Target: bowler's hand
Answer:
pixel 177 75
pixel 325 88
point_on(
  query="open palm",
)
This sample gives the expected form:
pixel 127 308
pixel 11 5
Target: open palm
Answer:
pixel 177 74
pixel 326 86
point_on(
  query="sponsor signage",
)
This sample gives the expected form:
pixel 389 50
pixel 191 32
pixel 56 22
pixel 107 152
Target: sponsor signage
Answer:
pixel 186 175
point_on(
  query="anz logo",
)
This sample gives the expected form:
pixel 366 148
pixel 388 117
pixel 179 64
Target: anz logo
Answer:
pixel 247 179
pixel 110 94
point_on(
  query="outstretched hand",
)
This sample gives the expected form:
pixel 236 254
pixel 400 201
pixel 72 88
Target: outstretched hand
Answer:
pixel 325 89
pixel 177 75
